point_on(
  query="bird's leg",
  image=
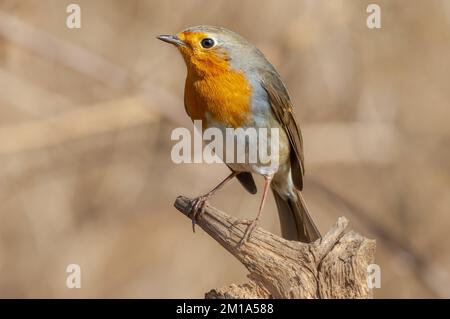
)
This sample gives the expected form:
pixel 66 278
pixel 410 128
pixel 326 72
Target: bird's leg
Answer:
pixel 199 203
pixel 254 223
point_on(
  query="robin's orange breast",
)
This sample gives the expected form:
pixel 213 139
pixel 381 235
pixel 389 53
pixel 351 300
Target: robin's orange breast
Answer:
pixel 213 90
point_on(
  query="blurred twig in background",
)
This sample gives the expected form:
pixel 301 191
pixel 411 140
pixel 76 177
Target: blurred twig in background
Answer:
pixel 76 124
pixel 73 56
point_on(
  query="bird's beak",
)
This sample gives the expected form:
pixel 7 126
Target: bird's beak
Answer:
pixel 172 39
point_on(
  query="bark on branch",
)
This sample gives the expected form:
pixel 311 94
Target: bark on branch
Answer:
pixel 333 267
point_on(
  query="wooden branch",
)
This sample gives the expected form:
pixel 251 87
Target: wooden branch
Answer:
pixel 333 267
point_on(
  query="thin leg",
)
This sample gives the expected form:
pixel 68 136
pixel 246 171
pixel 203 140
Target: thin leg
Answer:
pixel 222 184
pixel 253 224
pixel 200 202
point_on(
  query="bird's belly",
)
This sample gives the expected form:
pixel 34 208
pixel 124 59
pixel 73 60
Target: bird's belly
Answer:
pixel 259 148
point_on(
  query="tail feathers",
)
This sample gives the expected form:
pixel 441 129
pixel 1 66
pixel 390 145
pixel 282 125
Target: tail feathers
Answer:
pixel 295 220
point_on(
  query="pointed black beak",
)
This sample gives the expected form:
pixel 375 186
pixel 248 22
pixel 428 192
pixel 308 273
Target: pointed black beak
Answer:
pixel 172 39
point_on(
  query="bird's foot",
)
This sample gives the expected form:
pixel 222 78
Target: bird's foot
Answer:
pixel 198 208
pixel 251 226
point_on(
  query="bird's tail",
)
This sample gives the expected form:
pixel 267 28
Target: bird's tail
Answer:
pixel 295 220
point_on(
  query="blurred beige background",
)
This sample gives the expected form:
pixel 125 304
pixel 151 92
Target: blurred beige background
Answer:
pixel 85 122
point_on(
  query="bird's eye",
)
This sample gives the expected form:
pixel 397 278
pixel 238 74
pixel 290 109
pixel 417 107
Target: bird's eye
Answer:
pixel 207 43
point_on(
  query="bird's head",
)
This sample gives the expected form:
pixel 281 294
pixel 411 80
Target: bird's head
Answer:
pixel 208 49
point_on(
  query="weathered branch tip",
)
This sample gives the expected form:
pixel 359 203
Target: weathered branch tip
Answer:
pixel 333 267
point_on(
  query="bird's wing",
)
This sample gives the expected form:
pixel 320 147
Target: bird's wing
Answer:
pixel 282 108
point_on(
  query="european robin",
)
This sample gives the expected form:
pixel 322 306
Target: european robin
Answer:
pixel 231 84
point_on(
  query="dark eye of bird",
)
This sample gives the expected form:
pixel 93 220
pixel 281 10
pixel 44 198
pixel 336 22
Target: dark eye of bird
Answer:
pixel 207 43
